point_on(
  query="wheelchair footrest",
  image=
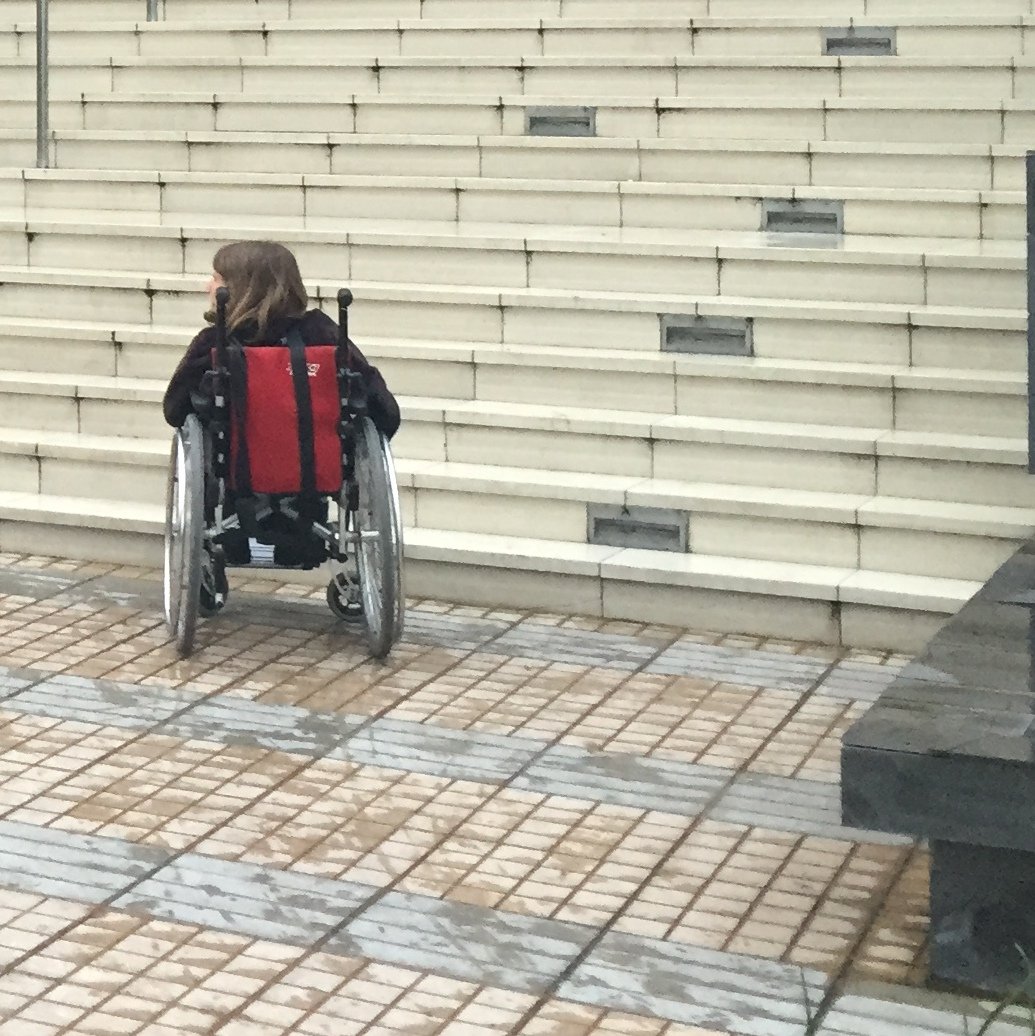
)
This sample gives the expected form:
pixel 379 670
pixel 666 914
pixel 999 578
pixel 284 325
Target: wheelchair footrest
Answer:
pixel 271 565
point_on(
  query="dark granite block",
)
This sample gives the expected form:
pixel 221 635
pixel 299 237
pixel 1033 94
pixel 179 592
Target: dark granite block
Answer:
pixel 919 689
pixel 927 730
pixel 947 749
pixel 989 616
pixel 990 665
pixel 948 753
pixel 951 797
pixel 982 915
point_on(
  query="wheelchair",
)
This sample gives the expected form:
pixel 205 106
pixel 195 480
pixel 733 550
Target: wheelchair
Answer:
pixel 233 500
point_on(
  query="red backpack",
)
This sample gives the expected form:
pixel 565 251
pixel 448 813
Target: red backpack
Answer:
pixel 285 414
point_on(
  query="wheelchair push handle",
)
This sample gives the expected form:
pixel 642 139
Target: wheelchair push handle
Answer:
pixel 344 301
pixel 222 298
pixel 350 382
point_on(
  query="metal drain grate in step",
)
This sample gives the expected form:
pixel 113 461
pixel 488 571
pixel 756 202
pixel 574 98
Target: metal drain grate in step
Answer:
pixel 561 121
pixel 859 42
pixel 802 217
pixel 706 336
pixel 644 528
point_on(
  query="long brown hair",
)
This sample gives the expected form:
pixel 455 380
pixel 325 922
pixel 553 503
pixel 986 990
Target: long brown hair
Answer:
pixel 264 283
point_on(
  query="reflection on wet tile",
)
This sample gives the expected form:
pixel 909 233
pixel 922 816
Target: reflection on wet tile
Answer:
pixel 623 780
pixel 696 987
pixel 465 942
pixel 454 831
pixel 245 899
pixel 79 867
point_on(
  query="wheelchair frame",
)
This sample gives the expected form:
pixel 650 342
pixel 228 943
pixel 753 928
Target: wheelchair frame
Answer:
pixel 366 586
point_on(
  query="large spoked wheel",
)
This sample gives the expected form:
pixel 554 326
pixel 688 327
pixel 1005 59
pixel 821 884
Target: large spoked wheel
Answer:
pixel 184 529
pixel 378 527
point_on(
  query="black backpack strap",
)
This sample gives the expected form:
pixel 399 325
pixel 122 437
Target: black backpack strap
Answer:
pixel 239 412
pixel 304 404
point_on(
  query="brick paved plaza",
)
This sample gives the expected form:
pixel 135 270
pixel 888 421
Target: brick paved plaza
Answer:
pixel 522 824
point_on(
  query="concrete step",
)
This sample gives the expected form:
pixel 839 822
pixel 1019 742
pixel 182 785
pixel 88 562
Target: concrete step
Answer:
pixel 833 395
pixel 149 321
pixel 949 166
pixel 896 119
pixel 914 537
pixel 588 76
pixel 524 33
pixel 880 271
pixel 730 27
pixel 779 455
pixel 331 9
pixel 484 205
pixel 781 452
pixel 822 603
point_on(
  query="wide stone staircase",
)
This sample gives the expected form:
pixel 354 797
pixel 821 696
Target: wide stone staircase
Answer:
pixel 708 312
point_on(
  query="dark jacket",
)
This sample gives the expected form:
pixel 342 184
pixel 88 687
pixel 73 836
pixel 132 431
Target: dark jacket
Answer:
pixel 316 328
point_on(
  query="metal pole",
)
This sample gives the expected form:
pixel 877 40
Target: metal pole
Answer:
pixel 42 86
pixel 152 10
pixel 1030 178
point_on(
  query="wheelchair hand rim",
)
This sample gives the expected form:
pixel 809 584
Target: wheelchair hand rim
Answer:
pixel 184 535
pixel 176 505
pixel 377 556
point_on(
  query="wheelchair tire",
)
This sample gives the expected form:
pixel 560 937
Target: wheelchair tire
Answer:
pixel 184 529
pixel 379 545
pixel 393 500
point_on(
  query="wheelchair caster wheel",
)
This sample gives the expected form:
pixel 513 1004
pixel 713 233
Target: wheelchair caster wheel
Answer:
pixel 345 601
pixel 208 605
pixel 214 587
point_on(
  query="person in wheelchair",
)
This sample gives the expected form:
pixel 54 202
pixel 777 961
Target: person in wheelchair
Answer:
pixel 268 306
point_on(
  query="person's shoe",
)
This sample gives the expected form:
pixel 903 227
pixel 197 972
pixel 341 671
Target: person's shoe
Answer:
pixel 287 555
pixel 235 548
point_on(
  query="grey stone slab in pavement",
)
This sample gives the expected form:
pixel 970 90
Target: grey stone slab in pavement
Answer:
pixel 14 681
pixel 857 681
pixel 791 804
pixel 440 751
pixel 459 632
pixel 246 899
pixel 683 789
pixel 233 720
pixel 33 584
pixel 578 647
pixel 734 994
pixel 99 702
pixel 746 666
pixel 121 591
pixel 79 867
pixel 473 944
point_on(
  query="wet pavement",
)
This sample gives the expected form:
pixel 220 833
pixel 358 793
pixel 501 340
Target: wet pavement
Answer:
pixel 519 824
